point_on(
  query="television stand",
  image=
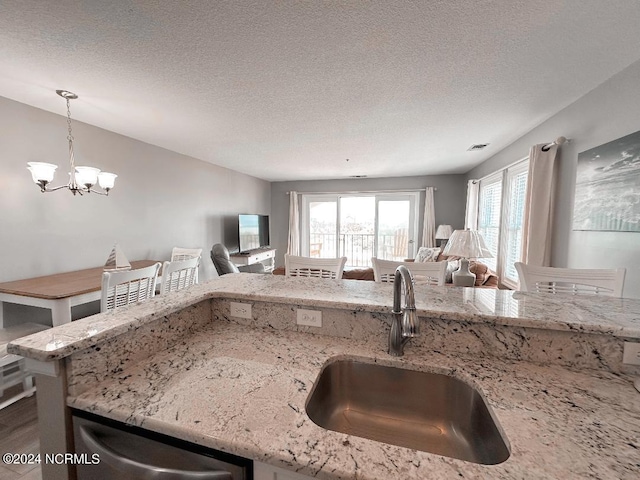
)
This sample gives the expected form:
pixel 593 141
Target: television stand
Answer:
pixel 267 256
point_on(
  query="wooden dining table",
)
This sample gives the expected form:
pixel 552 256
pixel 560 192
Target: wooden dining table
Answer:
pixel 58 292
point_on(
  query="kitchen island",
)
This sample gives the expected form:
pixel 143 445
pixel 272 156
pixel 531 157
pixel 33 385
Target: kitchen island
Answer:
pixel 183 366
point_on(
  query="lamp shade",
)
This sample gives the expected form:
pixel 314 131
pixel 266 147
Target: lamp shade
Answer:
pixel 107 180
pixel 87 175
pixel 467 244
pixel 41 172
pixel 443 232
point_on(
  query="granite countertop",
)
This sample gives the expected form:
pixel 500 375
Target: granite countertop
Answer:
pixel 243 391
pixel 584 313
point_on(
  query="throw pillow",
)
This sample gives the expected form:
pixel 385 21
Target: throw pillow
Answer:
pixel 427 254
pixel 481 271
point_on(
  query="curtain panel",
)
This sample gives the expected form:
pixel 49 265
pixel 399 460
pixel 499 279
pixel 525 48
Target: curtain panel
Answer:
pixel 471 212
pixel 293 245
pixel 429 222
pixel 538 207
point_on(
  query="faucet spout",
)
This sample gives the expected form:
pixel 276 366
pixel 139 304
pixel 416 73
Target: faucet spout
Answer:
pixel 405 324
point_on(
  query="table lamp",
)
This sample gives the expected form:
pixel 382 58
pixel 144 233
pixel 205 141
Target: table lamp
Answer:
pixel 443 233
pixel 466 244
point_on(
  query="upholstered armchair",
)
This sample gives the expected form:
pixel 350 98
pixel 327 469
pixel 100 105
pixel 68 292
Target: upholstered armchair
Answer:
pixel 224 265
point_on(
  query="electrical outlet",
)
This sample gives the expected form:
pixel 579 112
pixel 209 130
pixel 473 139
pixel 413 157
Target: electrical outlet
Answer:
pixel 311 318
pixel 631 355
pixel 240 310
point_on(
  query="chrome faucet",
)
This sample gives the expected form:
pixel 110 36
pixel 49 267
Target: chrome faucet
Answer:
pixel 405 323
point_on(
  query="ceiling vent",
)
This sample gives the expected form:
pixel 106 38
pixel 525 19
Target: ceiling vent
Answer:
pixel 357 176
pixel 477 146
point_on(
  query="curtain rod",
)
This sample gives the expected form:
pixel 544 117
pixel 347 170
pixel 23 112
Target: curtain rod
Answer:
pixel 435 189
pixel 558 141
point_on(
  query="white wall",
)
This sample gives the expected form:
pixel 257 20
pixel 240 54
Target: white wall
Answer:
pixel 608 112
pixel 450 199
pixel 161 199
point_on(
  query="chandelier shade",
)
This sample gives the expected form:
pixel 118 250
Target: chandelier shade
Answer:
pixel 81 179
pixel 106 180
pixel 87 176
pixel 42 172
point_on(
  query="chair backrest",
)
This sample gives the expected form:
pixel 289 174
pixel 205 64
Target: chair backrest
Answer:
pixel 12 368
pixel 129 286
pixel 222 261
pixel 330 268
pixel 400 242
pixel 179 253
pixel 435 272
pixel 608 282
pixel 179 274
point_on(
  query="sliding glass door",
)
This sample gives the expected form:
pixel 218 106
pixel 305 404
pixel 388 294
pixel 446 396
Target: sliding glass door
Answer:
pixel 319 237
pixel 360 226
pixel 357 229
pixel 396 225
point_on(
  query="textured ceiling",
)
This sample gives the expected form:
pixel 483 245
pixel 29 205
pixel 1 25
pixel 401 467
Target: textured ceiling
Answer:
pixel 286 90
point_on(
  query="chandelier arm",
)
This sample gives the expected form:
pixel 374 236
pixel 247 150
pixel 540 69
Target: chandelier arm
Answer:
pixel 47 190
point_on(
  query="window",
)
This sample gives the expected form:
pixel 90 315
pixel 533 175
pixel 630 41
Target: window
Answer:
pixel 516 184
pixel 501 200
pixel 489 216
pixel 360 226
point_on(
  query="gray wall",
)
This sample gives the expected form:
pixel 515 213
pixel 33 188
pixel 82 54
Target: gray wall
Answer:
pixel 606 113
pixel 161 199
pixel 450 199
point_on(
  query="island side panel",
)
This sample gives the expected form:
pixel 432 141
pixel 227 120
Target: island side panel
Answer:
pixel 91 366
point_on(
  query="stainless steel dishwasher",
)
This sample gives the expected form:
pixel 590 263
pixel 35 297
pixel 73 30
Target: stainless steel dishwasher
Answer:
pixel 126 452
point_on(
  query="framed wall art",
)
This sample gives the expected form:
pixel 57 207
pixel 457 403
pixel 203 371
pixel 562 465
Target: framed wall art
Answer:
pixel 607 196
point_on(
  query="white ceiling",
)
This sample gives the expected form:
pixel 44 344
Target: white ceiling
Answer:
pixel 287 90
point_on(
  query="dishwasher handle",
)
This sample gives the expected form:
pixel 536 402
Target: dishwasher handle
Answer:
pixel 144 470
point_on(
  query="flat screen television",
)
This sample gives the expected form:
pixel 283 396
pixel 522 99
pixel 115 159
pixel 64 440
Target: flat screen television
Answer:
pixel 253 232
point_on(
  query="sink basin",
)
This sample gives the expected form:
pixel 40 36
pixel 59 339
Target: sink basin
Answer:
pixel 424 411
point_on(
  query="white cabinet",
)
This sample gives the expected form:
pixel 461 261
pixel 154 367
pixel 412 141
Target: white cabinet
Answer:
pixel 262 471
pixel 267 257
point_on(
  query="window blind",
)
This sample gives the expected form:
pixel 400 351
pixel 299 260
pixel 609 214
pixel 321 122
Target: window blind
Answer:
pixel 501 200
pixel 513 241
pixel 489 218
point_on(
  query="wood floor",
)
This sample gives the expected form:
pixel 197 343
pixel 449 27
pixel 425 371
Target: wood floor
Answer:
pixel 19 434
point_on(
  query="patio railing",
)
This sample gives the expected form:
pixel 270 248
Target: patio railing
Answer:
pixel 358 247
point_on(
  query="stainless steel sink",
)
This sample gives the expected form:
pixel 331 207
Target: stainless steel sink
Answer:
pixel 424 411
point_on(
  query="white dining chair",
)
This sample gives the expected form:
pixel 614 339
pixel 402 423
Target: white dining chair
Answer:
pixel 12 367
pixel 179 253
pixel 178 275
pixel 429 273
pixel 597 281
pixel 330 268
pixel 129 286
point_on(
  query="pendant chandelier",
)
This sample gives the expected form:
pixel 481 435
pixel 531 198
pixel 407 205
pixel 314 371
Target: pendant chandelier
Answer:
pixel 81 179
